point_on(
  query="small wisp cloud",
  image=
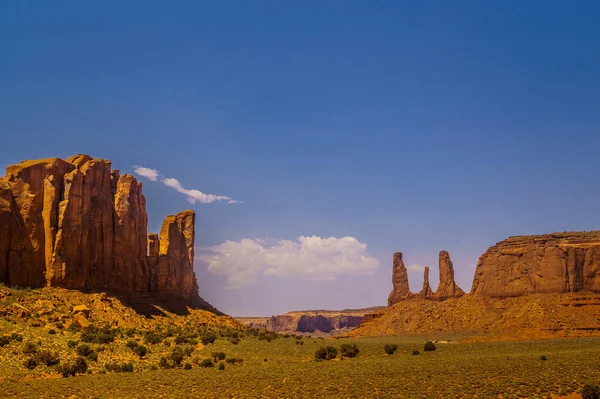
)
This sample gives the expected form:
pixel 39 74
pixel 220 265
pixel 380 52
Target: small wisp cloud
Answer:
pixel 192 195
pixel 321 259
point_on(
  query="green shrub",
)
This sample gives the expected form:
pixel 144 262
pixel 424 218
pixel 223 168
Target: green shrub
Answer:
pixel 93 334
pixel 218 356
pixel 590 391
pixel 208 338
pixel 390 348
pixel 71 344
pixel 4 340
pixel 543 357
pixel 131 344
pixel 119 367
pixel 233 360
pixel 70 369
pixel 93 356
pixel 415 352
pixel 326 353
pixel 429 347
pixel 206 363
pixel 221 366
pixel 47 357
pixel 30 363
pixel 164 363
pixel 153 338
pixel 16 337
pixel 187 366
pixel 235 341
pixel 29 348
pixel 349 350
pixel 140 350
pixel 52 331
pixel 84 350
pixel 177 355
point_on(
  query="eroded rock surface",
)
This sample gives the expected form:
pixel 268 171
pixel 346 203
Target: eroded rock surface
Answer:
pixel 558 262
pixel 78 224
pixel 400 288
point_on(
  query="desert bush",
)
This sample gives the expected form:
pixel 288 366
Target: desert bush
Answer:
pixel 93 356
pixel 16 337
pixel 52 331
pixel 326 353
pixel 218 356
pixel 71 344
pixel 543 357
pixel 140 350
pixel 29 348
pixel 221 366
pixel 93 334
pixel 187 366
pixel 47 357
pixel 80 366
pixel 235 341
pixel 84 350
pixel 429 346
pixel 208 338
pixel 206 363
pixel 390 348
pixel 4 340
pixel 164 363
pixel 119 367
pixel 349 350
pixel 30 363
pixel 131 344
pixel 415 352
pixel 177 355
pixel 153 338
pixel 233 360
pixel 130 332
pixel 590 391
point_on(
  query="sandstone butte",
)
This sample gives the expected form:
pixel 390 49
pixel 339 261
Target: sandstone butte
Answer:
pixel 530 286
pixel 77 224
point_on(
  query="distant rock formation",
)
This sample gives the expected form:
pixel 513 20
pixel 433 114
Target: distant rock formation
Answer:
pixel 558 262
pixel 400 288
pixel 326 322
pixel 78 224
pixel 447 288
pixel 426 291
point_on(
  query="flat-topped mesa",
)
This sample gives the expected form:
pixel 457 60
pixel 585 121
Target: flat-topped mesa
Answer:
pixel 426 292
pixel 557 262
pixel 400 288
pixel 78 224
pixel 447 288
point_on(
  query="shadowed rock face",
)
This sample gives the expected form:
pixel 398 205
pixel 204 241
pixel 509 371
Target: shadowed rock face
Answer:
pixel 78 224
pixel 400 288
pixel 558 262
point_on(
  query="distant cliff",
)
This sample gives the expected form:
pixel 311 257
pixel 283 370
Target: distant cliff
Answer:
pixel 311 321
pixel 77 224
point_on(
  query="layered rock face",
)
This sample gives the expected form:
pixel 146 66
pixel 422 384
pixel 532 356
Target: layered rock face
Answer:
pixel 400 288
pixel 558 262
pixel 447 288
pixel 78 224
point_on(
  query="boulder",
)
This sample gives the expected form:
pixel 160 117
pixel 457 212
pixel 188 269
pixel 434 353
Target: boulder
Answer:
pixel 83 309
pixel 80 320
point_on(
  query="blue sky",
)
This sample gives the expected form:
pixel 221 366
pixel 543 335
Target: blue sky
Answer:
pixel 409 126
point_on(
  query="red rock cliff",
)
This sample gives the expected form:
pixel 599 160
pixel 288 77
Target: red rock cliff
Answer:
pixel 558 262
pixel 78 224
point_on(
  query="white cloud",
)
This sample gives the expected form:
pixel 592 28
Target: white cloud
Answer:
pixel 316 258
pixel 192 195
pixel 415 267
pixel 151 174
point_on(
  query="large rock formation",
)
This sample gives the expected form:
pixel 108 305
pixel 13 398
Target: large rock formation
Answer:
pixel 558 262
pixel 447 288
pixel 426 291
pixel 78 224
pixel 400 288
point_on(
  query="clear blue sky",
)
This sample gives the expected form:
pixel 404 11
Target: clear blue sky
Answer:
pixel 411 126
